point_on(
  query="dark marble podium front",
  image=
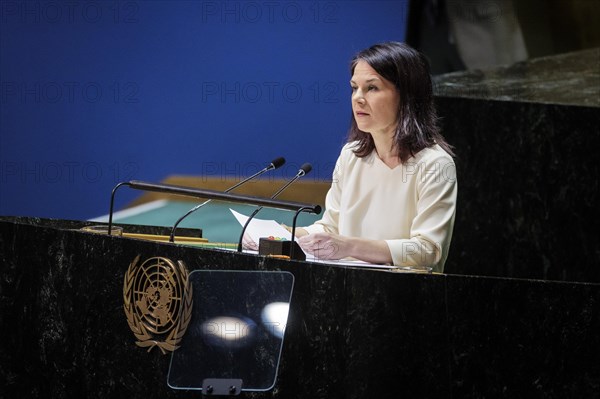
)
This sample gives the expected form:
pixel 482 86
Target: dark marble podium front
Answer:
pixel 351 333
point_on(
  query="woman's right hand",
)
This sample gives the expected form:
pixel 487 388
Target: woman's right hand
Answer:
pixel 248 243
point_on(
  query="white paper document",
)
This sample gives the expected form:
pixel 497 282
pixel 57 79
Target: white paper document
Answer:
pixel 262 228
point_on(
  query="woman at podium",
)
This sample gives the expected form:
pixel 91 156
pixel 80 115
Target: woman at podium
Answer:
pixel 393 194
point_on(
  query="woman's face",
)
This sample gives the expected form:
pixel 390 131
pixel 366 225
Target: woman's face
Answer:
pixel 375 101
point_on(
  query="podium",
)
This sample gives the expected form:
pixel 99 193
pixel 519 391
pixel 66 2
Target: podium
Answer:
pixel 350 333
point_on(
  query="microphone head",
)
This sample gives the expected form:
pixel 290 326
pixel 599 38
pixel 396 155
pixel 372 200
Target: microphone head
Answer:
pixel 305 169
pixel 277 162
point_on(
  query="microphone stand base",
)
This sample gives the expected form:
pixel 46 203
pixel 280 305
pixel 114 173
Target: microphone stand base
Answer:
pixel 272 247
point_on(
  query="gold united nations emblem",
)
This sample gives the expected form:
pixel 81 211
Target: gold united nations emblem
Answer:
pixel 157 297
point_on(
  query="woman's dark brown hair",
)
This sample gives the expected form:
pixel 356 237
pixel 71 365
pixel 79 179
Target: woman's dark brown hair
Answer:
pixel 418 125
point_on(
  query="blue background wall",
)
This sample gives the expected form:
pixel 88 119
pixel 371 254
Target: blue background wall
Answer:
pixel 97 92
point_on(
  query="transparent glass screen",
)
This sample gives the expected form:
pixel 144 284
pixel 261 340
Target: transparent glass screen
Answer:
pixel 236 329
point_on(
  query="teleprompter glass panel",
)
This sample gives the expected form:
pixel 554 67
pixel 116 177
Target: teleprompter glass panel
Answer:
pixel 236 330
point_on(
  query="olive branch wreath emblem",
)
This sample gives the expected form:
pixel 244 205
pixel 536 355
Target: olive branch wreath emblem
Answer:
pixel 157 300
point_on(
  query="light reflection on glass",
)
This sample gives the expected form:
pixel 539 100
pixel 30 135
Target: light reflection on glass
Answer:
pixel 228 331
pixel 274 317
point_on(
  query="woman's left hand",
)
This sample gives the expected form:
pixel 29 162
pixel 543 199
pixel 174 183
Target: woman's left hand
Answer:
pixel 325 245
pixel 335 246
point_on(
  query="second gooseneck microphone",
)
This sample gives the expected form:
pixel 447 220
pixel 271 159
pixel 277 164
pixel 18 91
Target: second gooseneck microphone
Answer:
pixel 304 170
pixel 276 163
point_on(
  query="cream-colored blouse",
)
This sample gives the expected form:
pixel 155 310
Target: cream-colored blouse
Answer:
pixel 411 206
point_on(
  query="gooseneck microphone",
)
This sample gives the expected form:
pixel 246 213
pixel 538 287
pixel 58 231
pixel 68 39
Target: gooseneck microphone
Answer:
pixel 276 163
pixel 304 170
